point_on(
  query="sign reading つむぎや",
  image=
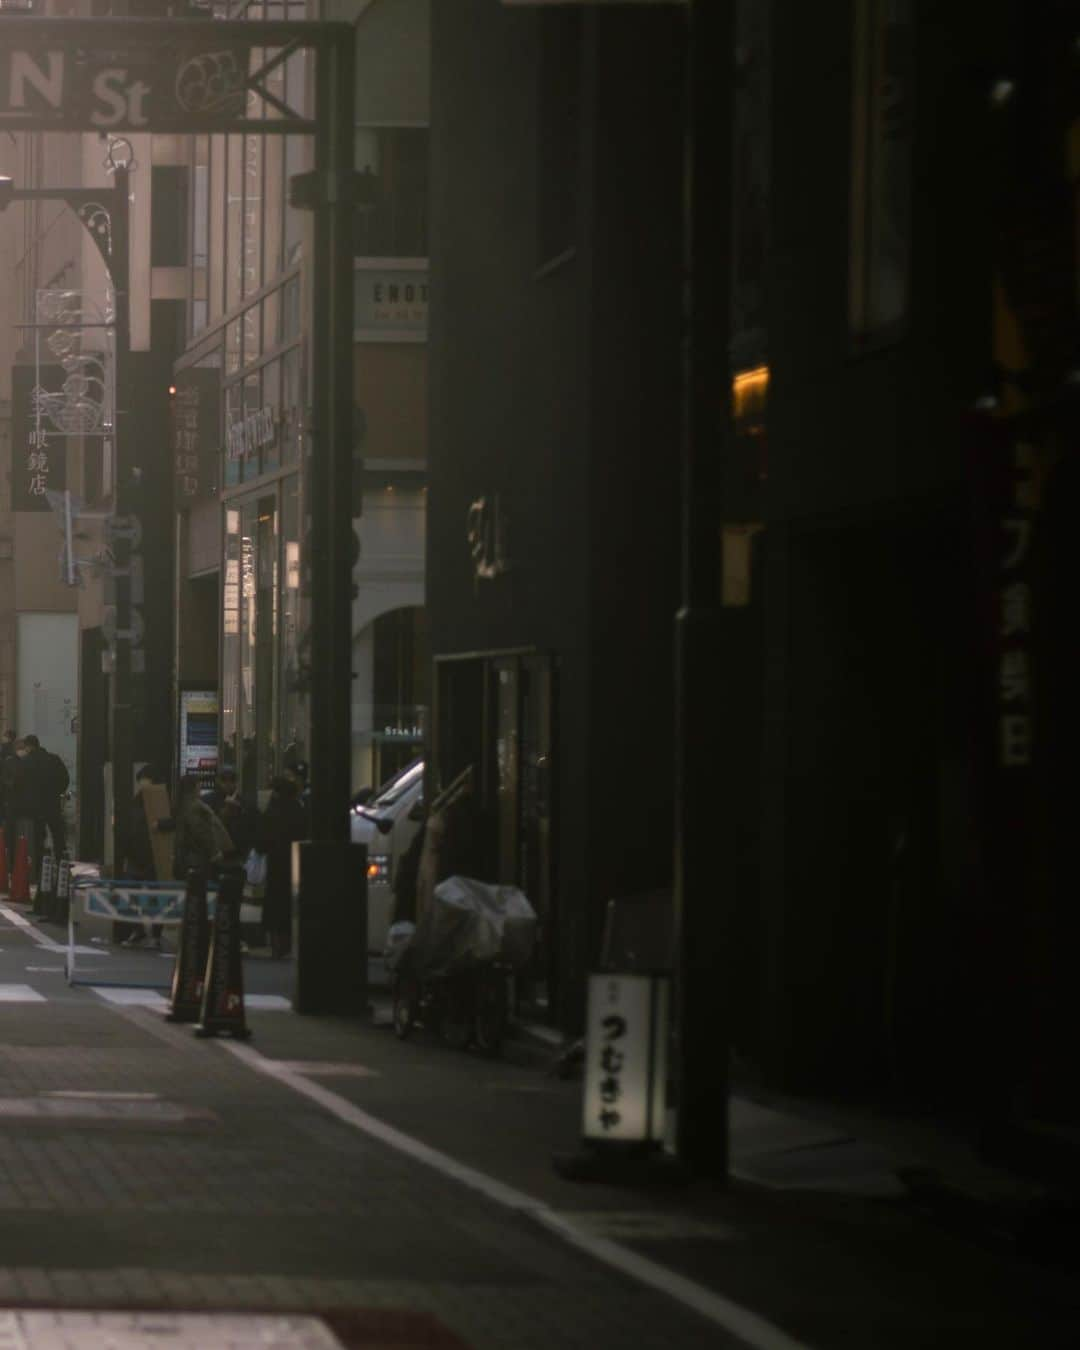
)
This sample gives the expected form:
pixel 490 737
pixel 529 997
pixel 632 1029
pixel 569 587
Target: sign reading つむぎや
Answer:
pixel 625 1057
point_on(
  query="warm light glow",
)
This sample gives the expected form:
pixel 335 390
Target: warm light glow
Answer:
pixel 748 392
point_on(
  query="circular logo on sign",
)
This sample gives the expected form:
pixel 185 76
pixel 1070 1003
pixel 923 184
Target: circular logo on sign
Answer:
pixel 211 82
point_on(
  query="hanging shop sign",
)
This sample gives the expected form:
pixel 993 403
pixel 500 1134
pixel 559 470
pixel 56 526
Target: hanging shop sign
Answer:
pixel 196 410
pixel 39 450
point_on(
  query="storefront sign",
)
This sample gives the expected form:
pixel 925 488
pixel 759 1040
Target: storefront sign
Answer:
pixel 390 301
pixel 195 429
pixel 248 435
pixel 39 451
pixel 199 734
pixel 625 1057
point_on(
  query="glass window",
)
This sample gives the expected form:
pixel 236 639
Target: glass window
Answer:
pixel 253 213
pixel 234 434
pixel 271 401
pixel 234 350
pixel 290 319
pixel 295 162
pixel 290 406
pixel 230 644
pixel 234 258
pixel 272 320
pixel 253 428
pixel 252 334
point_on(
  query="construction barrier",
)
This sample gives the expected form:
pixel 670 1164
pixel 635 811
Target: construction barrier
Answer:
pixel 63 889
pixel 120 901
pixel 223 989
pixel 193 950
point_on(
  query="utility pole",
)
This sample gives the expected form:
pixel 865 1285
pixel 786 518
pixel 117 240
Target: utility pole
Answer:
pixel 702 900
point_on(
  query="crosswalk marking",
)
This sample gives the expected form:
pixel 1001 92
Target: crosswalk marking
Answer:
pixel 20 993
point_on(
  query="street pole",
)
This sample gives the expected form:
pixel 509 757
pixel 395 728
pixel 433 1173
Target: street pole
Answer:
pixel 702 900
pixel 123 544
pixel 329 508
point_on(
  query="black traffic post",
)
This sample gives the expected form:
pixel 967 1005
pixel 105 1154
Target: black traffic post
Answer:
pixel 701 898
pixel 104 214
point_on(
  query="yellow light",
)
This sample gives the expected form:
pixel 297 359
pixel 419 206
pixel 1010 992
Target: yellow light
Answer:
pixel 372 871
pixel 748 391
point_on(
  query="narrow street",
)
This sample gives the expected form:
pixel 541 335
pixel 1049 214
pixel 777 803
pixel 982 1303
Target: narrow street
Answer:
pixel 326 1168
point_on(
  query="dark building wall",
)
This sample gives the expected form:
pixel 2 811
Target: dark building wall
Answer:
pixel 868 611
pixel 558 389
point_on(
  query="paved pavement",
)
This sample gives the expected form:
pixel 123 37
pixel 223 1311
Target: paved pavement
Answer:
pixel 327 1168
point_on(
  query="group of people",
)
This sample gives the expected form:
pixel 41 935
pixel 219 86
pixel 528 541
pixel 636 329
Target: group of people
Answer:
pixel 220 826
pixel 33 782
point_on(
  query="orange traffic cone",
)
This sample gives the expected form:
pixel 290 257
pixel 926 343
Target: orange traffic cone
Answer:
pixel 20 880
pixel 5 880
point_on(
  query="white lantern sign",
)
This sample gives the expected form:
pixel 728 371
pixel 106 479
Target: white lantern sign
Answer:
pixel 626 1058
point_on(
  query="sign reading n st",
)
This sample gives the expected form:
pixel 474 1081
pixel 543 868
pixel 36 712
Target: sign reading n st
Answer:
pixel 144 75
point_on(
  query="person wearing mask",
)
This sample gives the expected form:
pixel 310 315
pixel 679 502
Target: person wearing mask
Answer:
pixel 281 823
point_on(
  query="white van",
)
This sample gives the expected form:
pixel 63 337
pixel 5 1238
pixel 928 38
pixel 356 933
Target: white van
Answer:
pixel 387 824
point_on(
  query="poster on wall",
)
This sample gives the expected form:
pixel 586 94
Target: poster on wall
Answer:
pixel 199 735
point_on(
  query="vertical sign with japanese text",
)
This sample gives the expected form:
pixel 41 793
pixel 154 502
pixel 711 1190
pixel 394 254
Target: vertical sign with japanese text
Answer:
pixel 196 433
pixel 38 450
pixel 625 1057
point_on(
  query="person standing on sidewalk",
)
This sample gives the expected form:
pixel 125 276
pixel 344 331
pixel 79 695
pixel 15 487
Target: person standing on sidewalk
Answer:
pixel 41 784
pixel 138 861
pixel 201 839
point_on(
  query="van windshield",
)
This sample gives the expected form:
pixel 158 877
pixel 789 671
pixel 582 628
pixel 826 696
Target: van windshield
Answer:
pixel 397 787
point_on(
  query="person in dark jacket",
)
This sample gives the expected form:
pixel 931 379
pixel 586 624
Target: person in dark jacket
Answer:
pixel 39 791
pixel 283 821
pixel 138 857
pixel 201 839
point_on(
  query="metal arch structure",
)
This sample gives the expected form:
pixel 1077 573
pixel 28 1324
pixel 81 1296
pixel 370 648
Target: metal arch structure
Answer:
pixel 194 76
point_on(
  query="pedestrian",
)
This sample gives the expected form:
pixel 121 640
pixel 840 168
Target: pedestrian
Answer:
pixel 238 816
pixel 282 822
pixel 200 838
pixel 41 783
pixel 138 857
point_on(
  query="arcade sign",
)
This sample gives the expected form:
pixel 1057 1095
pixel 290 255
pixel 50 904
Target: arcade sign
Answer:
pixel 148 75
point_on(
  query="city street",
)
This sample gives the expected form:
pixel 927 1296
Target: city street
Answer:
pixel 326 1167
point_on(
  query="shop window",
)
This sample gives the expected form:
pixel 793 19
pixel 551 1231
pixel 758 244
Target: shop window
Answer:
pixel 168 215
pixel 394 161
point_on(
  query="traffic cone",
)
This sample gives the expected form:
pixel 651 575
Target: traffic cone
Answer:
pixel 223 989
pixel 5 880
pixel 189 971
pixel 20 880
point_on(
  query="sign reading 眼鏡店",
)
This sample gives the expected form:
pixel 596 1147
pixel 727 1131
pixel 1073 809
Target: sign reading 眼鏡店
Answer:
pixel 38 449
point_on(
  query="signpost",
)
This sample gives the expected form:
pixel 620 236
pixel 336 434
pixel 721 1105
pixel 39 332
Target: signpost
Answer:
pixel 194 76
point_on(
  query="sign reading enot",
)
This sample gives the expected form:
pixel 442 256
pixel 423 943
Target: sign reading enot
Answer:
pixel 38 450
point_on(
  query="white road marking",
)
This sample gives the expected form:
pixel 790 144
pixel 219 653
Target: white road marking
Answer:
pixel 142 998
pixel 741 1322
pixel 45 970
pixel 41 939
pixel 321 1068
pixel 20 993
